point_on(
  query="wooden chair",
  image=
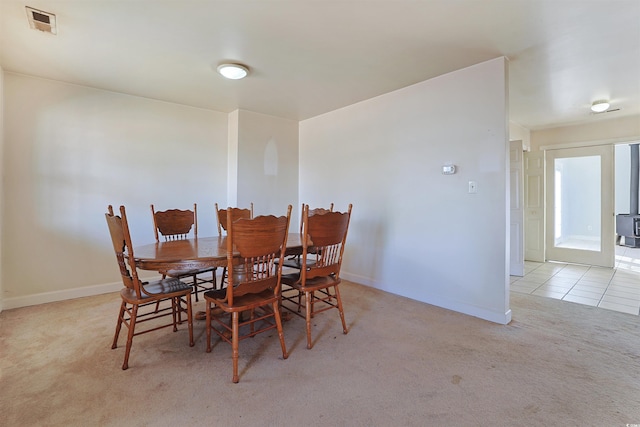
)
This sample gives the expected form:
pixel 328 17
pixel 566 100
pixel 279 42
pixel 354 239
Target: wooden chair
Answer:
pixel 254 283
pixel 175 224
pixel 294 261
pixel 236 213
pixel 223 221
pixel 324 239
pixel 137 295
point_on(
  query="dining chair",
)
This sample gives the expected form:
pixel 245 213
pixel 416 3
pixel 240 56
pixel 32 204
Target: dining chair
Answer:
pixel 224 221
pixel 254 283
pixel 137 295
pixel 323 239
pixel 236 213
pixel 294 261
pixel 176 224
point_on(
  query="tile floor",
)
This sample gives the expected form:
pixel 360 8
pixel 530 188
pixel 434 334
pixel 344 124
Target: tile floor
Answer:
pixel 615 288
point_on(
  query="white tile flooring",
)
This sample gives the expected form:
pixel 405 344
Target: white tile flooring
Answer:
pixel 615 288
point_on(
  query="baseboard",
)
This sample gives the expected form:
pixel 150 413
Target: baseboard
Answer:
pixel 46 297
pixel 362 280
pixel 65 294
pixel 468 309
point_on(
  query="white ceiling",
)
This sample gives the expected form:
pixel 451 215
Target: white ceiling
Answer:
pixel 310 57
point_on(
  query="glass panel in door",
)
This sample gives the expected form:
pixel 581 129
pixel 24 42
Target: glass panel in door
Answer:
pixel 580 205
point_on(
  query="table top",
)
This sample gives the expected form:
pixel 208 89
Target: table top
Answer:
pixel 197 253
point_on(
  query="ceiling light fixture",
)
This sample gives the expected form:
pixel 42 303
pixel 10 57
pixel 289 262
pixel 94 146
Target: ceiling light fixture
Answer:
pixel 600 106
pixel 233 71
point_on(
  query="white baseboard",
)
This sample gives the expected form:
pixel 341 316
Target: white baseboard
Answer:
pixel 65 294
pixel 470 310
pixel 362 280
pixel 45 297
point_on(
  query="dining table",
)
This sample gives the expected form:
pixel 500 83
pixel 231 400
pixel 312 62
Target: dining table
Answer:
pixel 194 253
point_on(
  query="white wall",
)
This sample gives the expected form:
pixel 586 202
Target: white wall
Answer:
pixel 232 160
pixel 414 231
pixel 267 164
pixel 69 152
pixel 2 179
pixel 520 133
pixel 599 131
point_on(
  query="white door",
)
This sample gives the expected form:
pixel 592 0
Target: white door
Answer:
pixel 534 206
pixel 580 212
pixel 516 265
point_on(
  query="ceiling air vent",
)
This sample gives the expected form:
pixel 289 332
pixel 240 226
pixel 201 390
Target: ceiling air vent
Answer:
pixel 42 21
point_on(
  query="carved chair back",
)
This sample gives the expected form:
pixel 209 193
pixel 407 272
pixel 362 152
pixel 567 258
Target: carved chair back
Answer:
pixel 253 246
pixel 236 213
pixel 121 239
pixel 175 224
pixel 326 235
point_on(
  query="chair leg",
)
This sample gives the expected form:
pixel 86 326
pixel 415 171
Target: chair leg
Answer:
pixel 132 326
pixel 119 324
pixel 234 345
pixel 224 274
pixel 307 301
pixel 189 318
pixel 179 309
pixel 164 276
pixel 195 286
pixel 208 320
pixel 276 314
pixel 344 324
pixel 175 312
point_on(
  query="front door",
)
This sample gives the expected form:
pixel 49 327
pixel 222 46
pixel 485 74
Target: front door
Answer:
pixel 580 205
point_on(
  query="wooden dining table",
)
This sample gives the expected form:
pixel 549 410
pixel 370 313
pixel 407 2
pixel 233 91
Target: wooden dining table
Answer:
pixel 194 253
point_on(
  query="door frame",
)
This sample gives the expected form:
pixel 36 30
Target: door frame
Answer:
pixel 516 215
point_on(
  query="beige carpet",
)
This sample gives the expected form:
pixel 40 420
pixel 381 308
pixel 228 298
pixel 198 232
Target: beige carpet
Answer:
pixel 403 363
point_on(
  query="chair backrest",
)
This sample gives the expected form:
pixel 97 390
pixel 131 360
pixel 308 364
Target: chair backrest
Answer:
pixel 236 214
pixel 175 224
pixel 316 211
pixel 326 235
pixel 253 246
pixel 121 239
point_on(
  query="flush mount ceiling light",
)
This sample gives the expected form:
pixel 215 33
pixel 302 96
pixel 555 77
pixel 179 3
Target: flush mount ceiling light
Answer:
pixel 600 106
pixel 233 71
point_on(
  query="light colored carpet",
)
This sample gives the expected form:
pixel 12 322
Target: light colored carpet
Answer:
pixel 403 363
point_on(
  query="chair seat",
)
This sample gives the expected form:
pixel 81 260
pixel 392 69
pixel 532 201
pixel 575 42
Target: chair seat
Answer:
pixel 240 303
pixel 311 285
pixel 296 263
pixel 164 288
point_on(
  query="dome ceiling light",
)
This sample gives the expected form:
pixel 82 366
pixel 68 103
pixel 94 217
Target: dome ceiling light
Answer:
pixel 233 71
pixel 600 106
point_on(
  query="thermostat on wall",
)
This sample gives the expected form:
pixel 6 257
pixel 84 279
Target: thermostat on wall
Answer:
pixel 448 169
